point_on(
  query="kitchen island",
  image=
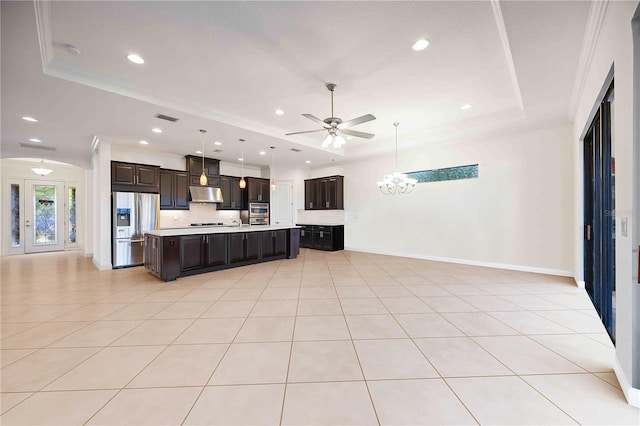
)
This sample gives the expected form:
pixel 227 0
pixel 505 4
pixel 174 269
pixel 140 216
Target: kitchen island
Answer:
pixel 174 253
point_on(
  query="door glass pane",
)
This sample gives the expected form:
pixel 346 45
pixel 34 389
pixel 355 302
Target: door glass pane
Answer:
pixel 15 215
pixel 45 215
pixel 71 202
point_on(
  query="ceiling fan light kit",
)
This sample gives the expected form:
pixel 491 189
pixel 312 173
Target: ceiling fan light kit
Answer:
pixel 335 127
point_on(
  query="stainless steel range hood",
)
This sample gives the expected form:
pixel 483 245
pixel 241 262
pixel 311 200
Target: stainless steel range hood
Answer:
pixel 205 194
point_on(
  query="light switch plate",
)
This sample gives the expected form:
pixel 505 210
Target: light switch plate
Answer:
pixel 624 226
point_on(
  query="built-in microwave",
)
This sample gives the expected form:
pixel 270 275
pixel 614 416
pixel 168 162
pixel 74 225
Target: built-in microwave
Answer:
pixel 258 213
pixel 258 209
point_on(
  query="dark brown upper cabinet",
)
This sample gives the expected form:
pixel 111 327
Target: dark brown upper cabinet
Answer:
pixel 231 194
pixel 326 193
pixel 174 190
pixel 211 170
pixel 133 177
pixel 258 190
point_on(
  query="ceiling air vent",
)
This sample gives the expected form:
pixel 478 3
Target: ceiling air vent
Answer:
pixel 35 146
pixel 217 150
pixel 166 117
pixel 295 150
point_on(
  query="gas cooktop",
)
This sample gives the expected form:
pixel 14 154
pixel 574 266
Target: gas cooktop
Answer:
pixel 208 224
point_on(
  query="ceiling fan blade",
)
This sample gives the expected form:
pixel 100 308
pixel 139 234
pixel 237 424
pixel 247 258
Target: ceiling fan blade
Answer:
pixel 356 121
pixel 306 131
pixel 317 120
pixel 358 134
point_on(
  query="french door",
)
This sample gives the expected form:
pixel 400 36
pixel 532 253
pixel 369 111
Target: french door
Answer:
pixel 44 224
pixel 599 213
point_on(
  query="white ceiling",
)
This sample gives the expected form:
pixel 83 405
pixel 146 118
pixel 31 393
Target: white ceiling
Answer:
pixel 227 66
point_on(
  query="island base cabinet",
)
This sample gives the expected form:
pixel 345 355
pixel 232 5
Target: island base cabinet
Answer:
pixel 216 250
pixel 191 252
pixel 244 247
pixel 274 243
pixel 171 257
pixel 162 256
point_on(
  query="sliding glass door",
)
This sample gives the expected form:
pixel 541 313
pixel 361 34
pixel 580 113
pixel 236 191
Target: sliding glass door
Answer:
pixel 599 213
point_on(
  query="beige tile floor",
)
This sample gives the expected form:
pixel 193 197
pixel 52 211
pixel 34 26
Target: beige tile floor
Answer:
pixel 328 338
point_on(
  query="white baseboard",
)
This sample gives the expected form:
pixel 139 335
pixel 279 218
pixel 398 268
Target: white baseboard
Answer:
pixel 632 394
pixel 580 284
pixel 100 266
pixel 523 268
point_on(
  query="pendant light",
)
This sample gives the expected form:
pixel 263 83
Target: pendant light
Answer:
pixel 396 182
pixel 273 168
pixel 42 171
pixel 243 183
pixel 203 177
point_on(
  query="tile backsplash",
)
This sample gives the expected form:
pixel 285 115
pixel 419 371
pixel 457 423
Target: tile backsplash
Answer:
pixel 321 216
pixel 197 213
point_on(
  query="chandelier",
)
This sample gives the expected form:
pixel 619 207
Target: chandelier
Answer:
pixel 42 171
pixel 396 182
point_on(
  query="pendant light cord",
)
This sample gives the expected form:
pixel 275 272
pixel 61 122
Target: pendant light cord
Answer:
pixel 242 156
pixel 203 132
pixel 396 124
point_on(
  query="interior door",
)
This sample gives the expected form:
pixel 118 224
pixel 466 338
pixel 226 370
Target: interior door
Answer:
pixel 282 204
pixel 44 219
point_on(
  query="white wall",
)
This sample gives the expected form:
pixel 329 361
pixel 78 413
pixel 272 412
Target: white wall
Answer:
pixel 614 47
pixel 517 214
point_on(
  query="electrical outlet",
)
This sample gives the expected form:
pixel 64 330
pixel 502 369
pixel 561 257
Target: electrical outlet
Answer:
pixel 624 221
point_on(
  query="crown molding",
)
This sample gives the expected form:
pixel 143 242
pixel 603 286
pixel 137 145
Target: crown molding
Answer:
pixel 506 47
pixel 595 21
pixel 45 34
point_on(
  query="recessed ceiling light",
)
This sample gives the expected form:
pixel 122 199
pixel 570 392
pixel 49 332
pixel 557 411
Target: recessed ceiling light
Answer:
pixel 143 143
pixel 136 59
pixel 198 152
pixel 308 161
pixel 240 159
pixel 27 118
pixel 263 153
pixel 217 143
pixel 466 106
pixel 279 112
pixel 156 130
pixel 35 140
pixel 420 44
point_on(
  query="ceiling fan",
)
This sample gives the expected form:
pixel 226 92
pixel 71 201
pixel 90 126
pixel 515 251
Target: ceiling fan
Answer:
pixel 336 127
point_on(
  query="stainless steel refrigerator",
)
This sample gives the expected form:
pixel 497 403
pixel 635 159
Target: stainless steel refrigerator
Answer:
pixel 133 214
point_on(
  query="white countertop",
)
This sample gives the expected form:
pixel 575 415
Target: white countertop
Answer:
pixel 197 230
pixel 316 223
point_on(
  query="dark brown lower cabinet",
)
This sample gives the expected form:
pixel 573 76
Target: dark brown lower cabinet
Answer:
pixel 162 256
pixel 202 251
pixel 216 249
pixel 172 257
pixel 191 252
pixel 322 237
pixel 244 246
pixel 274 243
